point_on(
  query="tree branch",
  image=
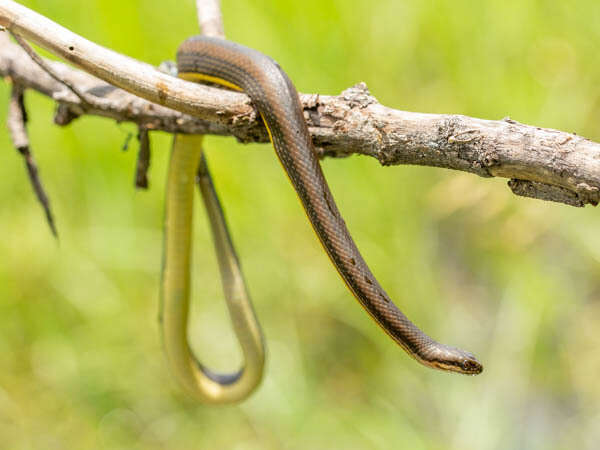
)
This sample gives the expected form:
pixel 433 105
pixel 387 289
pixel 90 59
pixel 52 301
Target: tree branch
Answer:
pixel 541 163
pixel 45 67
pixel 16 122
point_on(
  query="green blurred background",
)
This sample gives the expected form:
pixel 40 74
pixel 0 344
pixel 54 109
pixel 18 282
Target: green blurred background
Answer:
pixel 514 280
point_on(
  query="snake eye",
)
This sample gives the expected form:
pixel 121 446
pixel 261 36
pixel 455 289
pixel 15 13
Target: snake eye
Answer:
pixel 471 366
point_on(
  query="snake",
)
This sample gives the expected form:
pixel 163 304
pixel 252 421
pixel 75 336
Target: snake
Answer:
pixel 187 167
pixel 218 61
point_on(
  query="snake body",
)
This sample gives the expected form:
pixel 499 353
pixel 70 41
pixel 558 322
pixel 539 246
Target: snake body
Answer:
pixel 206 59
pixel 187 166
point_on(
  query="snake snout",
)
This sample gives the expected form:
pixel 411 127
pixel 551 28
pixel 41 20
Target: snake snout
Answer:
pixel 471 366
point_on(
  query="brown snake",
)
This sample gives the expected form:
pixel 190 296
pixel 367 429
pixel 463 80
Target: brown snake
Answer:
pixel 271 91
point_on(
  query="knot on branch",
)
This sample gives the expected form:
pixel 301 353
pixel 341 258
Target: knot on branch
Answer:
pixel 534 189
pixel 358 96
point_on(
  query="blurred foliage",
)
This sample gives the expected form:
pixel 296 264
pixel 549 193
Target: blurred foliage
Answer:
pixel 514 280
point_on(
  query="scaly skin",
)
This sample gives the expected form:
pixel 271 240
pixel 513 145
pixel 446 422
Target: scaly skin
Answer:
pixel 214 60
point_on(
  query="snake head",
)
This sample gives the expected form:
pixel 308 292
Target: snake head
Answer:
pixel 470 366
pixel 455 360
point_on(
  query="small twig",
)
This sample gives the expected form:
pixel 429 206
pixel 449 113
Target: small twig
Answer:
pixel 210 18
pixel 65 114
pixel 143 161
pixel 17 117
pixel 46 68
pixel 126 142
